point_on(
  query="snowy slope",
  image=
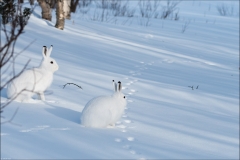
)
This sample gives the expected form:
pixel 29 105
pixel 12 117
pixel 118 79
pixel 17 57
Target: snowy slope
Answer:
pixel 164 117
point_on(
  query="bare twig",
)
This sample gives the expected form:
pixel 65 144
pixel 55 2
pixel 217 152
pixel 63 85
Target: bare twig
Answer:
pixel 72 84
pixel 11 119
pixel 191 87
pixel 185 26
pixel 12 30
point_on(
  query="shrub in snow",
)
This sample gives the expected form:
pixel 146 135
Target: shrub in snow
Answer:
pixel 35 80
pixel 104 111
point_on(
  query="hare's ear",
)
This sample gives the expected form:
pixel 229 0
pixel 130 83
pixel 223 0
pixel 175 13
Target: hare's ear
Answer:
pixel 119 86
pixel 114 86
pixel 44 51
pixel 50 51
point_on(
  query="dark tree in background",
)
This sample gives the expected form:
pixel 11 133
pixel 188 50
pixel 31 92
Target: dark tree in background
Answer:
pixel 14 20
pixel 46 9
pixel 7 10
pixel 53 4
pixel 74 4
pixel 31 2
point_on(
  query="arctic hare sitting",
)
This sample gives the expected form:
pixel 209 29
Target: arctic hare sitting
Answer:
pixel 35 80
pixel 104 111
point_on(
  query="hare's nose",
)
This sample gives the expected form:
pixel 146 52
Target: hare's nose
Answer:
pixel 57 67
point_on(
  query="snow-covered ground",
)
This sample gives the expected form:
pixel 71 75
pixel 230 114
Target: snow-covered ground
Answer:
pixel 157 64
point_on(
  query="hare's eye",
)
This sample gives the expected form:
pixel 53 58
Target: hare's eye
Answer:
pixel 124 97
pixel 51 62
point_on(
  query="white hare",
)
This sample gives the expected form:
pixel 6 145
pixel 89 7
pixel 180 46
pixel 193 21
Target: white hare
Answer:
pixel 104 111
pixel 35 80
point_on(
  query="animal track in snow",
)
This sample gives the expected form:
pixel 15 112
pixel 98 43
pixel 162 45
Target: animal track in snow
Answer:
pixel 123 88
pixel 130 139
pixel 117 140
pixel 124 130
pixel 132 90
pixel 127 121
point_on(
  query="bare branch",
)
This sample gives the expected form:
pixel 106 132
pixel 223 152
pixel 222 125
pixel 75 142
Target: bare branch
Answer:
pixel 70 84
pixel 11 119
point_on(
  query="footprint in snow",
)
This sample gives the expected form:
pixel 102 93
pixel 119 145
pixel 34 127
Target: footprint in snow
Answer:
pixel 127 121
pixel 124 130
pixel 130 139
pixel 123 88
pixel 132 90
pixel 118 140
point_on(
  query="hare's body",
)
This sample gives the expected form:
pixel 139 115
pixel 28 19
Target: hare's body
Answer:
pixel 28 83
pixel 33 81
pixel 103 111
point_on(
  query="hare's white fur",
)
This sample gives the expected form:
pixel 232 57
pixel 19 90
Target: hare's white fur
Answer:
pixel 104 111
pixel 33 81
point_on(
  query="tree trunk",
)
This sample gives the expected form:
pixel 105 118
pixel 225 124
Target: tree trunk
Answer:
pixel 60 15
pixel 74 4
pixel 31 2
pixel 46 10
pixel 20 1
pixel 53 4
pixel 66 9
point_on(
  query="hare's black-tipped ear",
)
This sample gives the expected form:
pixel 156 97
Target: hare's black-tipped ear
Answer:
pixel 114 86
pixel 119 86
pixel 44 51
pixel 50 51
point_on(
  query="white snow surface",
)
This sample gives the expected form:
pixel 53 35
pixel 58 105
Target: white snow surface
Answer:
pixel 157 65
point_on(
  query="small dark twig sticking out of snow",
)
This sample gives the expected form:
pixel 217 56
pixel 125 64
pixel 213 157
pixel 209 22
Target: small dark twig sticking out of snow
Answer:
pixel 72 84
pixel 191 87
